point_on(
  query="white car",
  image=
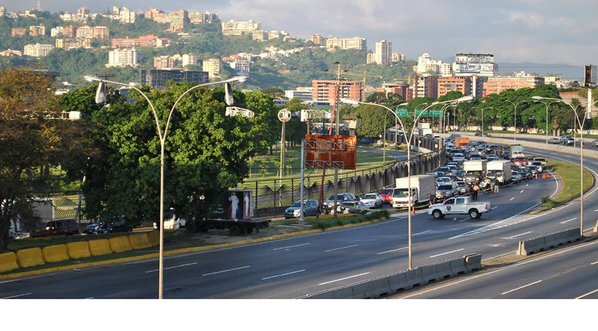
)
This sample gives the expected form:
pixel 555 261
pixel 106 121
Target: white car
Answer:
pixel 443 180
pixel 371 200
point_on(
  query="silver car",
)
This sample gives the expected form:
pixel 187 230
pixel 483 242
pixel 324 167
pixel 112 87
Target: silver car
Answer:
pixel 371 200
pixel 310 208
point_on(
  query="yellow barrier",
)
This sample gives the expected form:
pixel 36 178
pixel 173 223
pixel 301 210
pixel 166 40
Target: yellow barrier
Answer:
pixel 99 247
pixel 78 250
pixel 139 240
pixel 154 238
pixel 55 253
pixel 8 262
pixel 30 257
pixel 120 244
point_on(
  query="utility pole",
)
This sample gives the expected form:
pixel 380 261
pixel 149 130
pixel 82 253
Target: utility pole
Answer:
pixel 337 115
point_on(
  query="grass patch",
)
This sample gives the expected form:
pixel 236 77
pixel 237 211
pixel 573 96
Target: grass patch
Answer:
pixel 328 221
pixel 569 174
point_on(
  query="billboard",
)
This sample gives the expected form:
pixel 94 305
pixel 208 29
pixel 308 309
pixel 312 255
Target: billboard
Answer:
pixel 232 205
pixel 330 152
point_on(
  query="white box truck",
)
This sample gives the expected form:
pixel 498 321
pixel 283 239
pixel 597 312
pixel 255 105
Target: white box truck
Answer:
pixel 475 170
pixel 422 187
pixel 499 170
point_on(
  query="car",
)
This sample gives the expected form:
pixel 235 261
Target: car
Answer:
pixel 445 191
pixel 458 157
pixel 65 227
pixel 541 159
pixel 443 180
pixel 595 142
pixel 371 200
pixel 516 176
pixel 329 203
pixel 118 226
pixel 310 208
pixel 481 134
pixel 95 227
pixel 539 166
pixel 554 140
pixel 567 140
pixel 386 195
pixel 352 207
pixel 462 187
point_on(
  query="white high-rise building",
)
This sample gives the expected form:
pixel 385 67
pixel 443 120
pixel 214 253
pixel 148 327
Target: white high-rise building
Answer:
pixel 425 64
pixel 346 43
pixel 475 64
pixel 189 59
pixel 38 50
pixel 383 52
pixel 122 58
pixel 212 67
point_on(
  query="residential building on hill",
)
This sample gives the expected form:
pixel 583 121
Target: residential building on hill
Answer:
pixel 238 28
pixel 38 50
pixel 346 43
pixel 326 90
pixel 212 67
pixel 383 52
pixel 454 84
pixel 498 84
pixel 469 64
pixel 159 78
pixel 95 32
pixel 122 58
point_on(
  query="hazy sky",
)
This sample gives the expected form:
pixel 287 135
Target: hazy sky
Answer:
pixel 539 31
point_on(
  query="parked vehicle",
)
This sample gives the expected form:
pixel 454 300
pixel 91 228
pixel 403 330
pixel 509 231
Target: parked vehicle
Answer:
pixel 445 191
pixel 459 206
pixel 371 200
pixel 64 227
pixel 386 195
pixel 118 226
pixel 462 187
pixel 554 140
pixel 352 207
pixel 329 203
pixel 461 142
pixel 310 208
pixel 499 170
pixel 516 176
pixel 95 227
pixel 422 187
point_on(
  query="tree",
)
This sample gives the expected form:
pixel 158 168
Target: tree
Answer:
pixel 30 145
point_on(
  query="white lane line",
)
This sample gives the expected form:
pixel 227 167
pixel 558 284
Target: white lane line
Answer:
pixel 595 209
pixel 441 254
pixel 518 235
pixel 173 267
pixel 287 247
pixel 593 263
pixel 223 271
pixel 521 191
pixel 17 296
pixel 338 249
pixel 587 294
pixel 569 220
pixel 344 278
pixel 513 198
pixel 393 250
pixel 419 233
pixel 285 274
pixel 521 287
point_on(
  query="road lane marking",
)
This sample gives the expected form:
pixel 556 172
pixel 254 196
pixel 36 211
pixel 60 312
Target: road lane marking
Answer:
pixel 338 249
pixel 513 198
pixel 569 220
pixel 344 278
pixel 518 235
pixel 393 250
pixel 173 267
pixel 417 234
pixel 521 191
pixel 441 254
pixel 595 209
pixel 593 263
pixel 522 287
pixel 285 274
pixel 587 294
pixel 223 271
pixel 17 296
pixel 287 247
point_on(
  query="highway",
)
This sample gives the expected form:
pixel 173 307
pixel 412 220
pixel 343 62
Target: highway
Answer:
pixel 295 267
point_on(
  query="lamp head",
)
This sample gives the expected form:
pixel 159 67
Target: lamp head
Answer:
pixel 537 98
pixel 100 94
pixel 228 94
pixel 465 98
pixel 349 101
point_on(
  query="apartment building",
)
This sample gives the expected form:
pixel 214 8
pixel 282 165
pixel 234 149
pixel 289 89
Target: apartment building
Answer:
pixel 159 78
pixel 454 84
pixel 301 93
pixel 37 31
pixel 122 58
pixel 124 15
pixel 470 64
pixel 318 39
pixel 95 32
pixel 212 67
pixel 143 41
pixel 18 32
pixel 346 43
pixel 11 53
pixel 63 31
pixel 427 65
pixel 383 52
pixel 326 90
pixel 400 88
pixel 425 87
pixel 72 43
pixel 498 84
pixel 197 17
pixel 238 28
pixel 37 50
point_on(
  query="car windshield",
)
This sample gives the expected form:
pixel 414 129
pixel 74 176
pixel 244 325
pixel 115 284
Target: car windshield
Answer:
pixel 445 187
pixel 402 192
pixel 369 196
pixel 386 191
pixel 296 204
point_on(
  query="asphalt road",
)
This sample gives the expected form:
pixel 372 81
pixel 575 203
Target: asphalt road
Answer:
pixel 294 267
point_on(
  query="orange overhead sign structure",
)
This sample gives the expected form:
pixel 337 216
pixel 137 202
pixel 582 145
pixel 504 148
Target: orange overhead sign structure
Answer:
pixel 330 152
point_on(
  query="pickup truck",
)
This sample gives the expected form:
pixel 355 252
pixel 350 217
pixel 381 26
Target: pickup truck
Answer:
pixel 459 206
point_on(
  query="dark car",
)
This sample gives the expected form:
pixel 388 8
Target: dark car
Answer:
pixel 64 227
pixel 95 227
pixel 118 226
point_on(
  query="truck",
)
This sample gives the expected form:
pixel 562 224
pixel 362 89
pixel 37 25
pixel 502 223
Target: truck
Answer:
pixel 475 170
pixel 499 170
pixel 461 142
pixel 516 151
pixel 422 187
pixel 459 206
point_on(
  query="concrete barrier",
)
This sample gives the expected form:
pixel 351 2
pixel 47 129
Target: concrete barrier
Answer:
pixel 154 238
pixel 139 241
pixel 530 246
pixel 8 262
pixel 55 253
pixel 560 238
pixel 373 288
pixel 458 266
pixel 473 262
pixel 398 282
pixel 99 247
pixel 414 278
pixel 120 244
pixel 30 257
pixel 429 273
pixel 78 250
pixel 443 270
pixel 337 293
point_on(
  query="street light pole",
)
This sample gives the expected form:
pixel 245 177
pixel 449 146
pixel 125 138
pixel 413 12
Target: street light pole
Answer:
pixel 515 116
pixel 408 140
pixel 588 115
pixel 162 134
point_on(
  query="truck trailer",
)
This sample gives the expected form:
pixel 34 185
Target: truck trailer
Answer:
pixel 475 170
pixel 422 187
pixel 499 170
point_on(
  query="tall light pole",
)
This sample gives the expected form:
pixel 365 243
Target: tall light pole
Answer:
pixel 547 104
pixel 515 116
pixel 588 115
pixel 162 134
pixel 483 119
pixel 384 134
pixel 408 139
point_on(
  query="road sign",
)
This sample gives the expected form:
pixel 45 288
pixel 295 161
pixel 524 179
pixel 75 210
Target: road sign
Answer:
pixel 435 113
pixel 424 113
pixel 402 112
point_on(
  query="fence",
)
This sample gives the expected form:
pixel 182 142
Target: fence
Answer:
pixel 273 196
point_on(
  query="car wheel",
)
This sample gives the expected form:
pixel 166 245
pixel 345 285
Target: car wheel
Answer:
pixel 437 214
pixel 474 214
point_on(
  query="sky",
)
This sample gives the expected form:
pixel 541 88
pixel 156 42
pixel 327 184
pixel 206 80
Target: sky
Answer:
pixel 536 31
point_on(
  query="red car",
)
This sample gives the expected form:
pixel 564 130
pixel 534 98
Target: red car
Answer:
pixel 386 194
pixel 519 161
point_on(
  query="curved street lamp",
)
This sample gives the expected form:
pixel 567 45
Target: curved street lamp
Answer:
pixel 515 115
pixel 162 134
pixel 408 139
pixel 588 115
